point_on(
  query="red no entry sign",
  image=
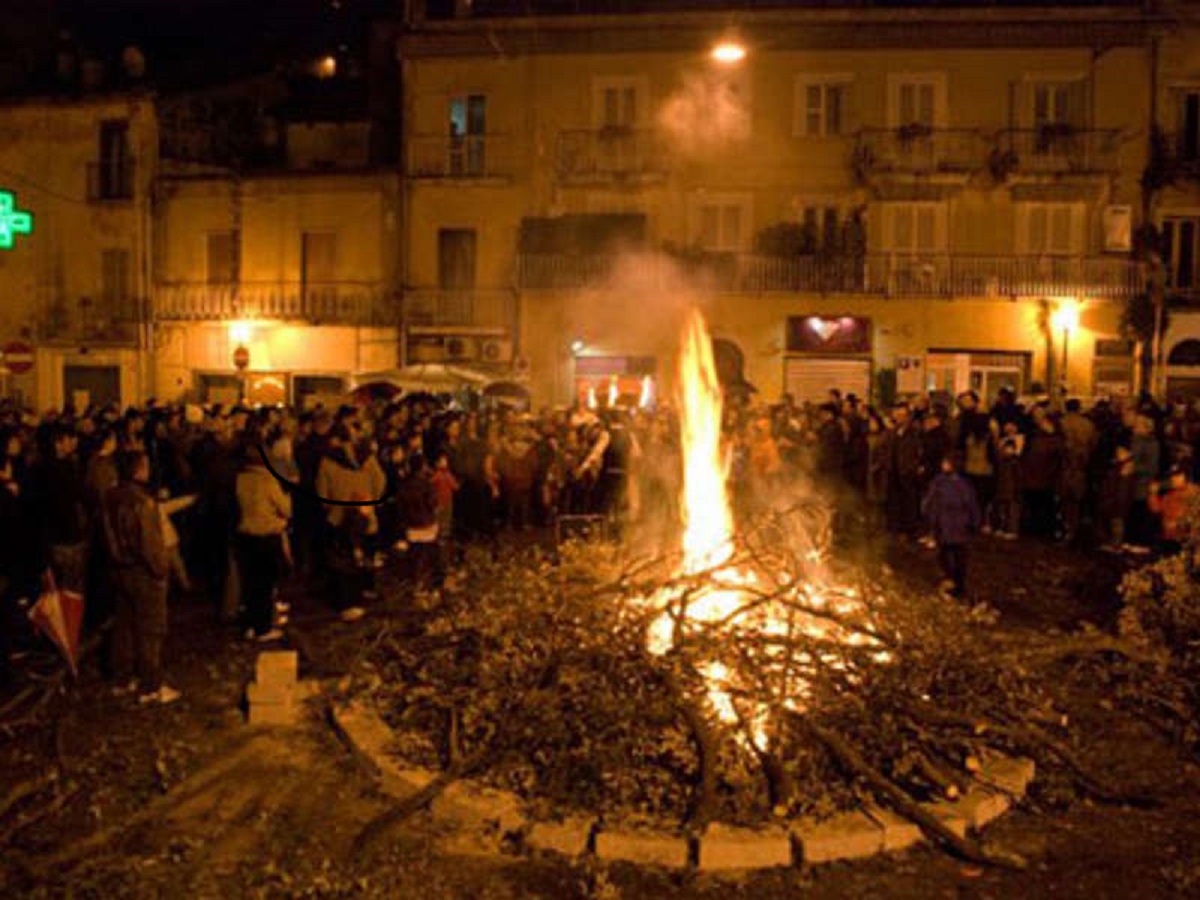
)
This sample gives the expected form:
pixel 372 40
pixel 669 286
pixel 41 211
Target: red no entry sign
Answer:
pixel 18 357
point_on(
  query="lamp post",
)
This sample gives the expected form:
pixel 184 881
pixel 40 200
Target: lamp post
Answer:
pixel 1066 320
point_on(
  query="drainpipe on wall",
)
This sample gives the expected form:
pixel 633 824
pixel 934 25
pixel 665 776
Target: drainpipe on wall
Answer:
pixel 1157 280
pixel 402 211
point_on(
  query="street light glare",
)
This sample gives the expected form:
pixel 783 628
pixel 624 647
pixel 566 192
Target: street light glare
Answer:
pixel 1066 317
pixel 728 52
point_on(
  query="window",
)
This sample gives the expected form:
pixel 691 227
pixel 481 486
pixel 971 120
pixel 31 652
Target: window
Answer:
pixel 1179 247
pixel 221 257
pixel 1059 103
pixel 1050 229
pixel 915 227
pixel 456 258
pixel 822 227
pixel 721 227
pixel 318 257
pixel 114 171
pixel 467 121
pixel 821 106
pixel 917 100
pixel 116 283
pixel 1187 125
pixel 618 103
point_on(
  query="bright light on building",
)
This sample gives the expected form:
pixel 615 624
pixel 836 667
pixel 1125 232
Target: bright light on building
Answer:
pixel 239 332
pixel 577 346
pixel 1066 316
pixel 729 52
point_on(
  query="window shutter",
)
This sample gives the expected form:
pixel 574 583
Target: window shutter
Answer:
pixel 1035 229
pixel 1060 231
pixel 812 109
pixel 902 228
pixel 926 228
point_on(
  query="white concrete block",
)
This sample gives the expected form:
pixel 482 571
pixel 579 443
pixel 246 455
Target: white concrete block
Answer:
pixel 568 837
pixel 724 848
pixel 846 836
pixel 277 666
pixel 898 832
pixel 644 848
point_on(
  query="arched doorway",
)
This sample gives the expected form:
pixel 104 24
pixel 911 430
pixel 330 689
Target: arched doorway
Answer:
pixel 1183 369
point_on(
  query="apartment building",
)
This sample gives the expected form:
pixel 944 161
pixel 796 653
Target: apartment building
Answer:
pixel 74 275
pixel 863 196
pixel 277 244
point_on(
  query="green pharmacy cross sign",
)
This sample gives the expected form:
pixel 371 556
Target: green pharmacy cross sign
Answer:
pixel 13 221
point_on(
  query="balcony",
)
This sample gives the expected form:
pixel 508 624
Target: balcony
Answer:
pixel 915 150
pixel 111 321
pixel 465 308
pixel 365 303
pixel 478 156
pixel 1057 150
pixel 611 155
pixel 1183 151
pixel 925 275
pixel 110 180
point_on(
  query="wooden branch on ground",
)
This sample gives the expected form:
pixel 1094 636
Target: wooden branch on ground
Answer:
pixel 26 789
pixel 896 798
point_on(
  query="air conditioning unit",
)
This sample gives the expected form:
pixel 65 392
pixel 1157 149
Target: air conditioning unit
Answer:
pixel 496 351
pixel 461 348
pixel 424 350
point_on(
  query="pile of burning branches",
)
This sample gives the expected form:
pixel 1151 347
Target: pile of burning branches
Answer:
pixel 545 679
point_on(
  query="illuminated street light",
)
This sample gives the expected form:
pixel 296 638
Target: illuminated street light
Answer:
pixel 577 346
pixel 729 52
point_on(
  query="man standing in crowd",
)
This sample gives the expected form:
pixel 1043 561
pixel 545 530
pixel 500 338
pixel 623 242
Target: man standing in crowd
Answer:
pixel 134 542
pixel 903 475
pixel 952 512
pixel 59 495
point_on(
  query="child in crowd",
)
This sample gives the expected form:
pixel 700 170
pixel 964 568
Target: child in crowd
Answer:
pixel 1116 497
pixel 952 511
pixel 445 486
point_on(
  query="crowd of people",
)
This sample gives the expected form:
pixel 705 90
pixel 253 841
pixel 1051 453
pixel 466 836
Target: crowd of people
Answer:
pixel 126 507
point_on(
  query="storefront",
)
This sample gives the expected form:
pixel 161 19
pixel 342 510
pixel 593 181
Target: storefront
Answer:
pixel 825 353
pixel 611 381
pixel 950 372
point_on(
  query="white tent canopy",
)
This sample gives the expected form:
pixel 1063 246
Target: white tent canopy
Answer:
pixel 433 377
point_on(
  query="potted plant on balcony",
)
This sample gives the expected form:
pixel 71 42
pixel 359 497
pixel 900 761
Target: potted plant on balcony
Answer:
pixel 1002 162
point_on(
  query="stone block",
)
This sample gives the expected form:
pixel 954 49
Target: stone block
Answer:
pixel 982 805
pixel 898 832
pixel 277 667
pixel 568 837
pixel 274 713
pixel 949 814
pixel 258 694
pixel 1009 774
pixel 846 836
pixel 727 849
pixel 471 805
pixel 643 848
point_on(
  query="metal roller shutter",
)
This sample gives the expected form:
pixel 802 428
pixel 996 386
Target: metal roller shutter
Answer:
pixel 811 379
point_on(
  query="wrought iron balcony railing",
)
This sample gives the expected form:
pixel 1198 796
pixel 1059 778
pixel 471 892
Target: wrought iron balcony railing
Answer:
pixel 317 302
pixel 467 307
pixel 1054 149
pixel 918 150
pixel 888 274
pixel 611 154
pixel 466 156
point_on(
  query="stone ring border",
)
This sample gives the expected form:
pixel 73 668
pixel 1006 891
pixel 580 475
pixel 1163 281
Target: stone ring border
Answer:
pixel 491 814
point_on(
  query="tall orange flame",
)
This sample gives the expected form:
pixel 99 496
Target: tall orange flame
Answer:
pixel 707 518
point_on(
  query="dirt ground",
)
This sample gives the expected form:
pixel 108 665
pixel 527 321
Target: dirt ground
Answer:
pixel 188 801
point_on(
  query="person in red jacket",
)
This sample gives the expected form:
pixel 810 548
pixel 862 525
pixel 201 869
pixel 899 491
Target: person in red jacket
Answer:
pixel 1171 504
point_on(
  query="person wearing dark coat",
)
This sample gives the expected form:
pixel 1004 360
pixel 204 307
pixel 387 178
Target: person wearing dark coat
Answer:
pixel 1041 472
pixel 61 501
pixel 952 511
pixel 904 457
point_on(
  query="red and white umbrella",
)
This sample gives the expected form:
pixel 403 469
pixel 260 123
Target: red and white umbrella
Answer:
pixel 58 614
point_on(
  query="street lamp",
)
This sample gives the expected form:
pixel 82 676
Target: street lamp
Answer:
pixel 1066 320
pixel 728 52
